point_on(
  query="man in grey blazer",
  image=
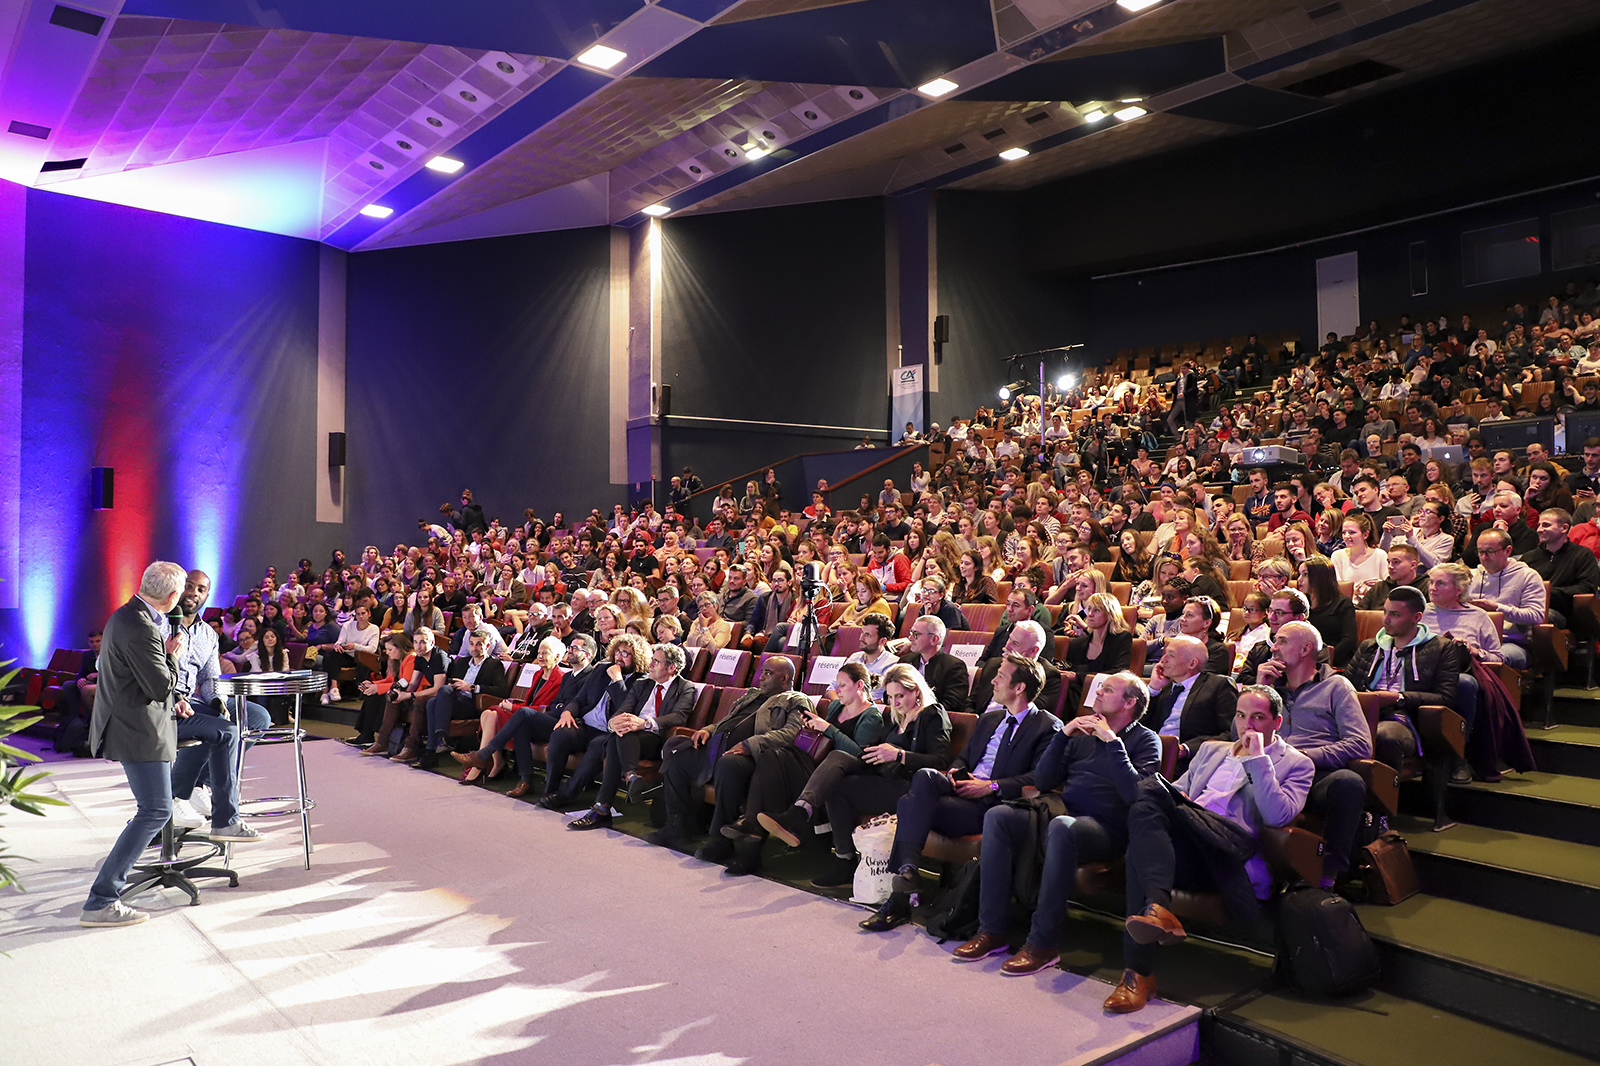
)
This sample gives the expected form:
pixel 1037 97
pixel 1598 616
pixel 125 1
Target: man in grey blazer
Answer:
pixel 135 724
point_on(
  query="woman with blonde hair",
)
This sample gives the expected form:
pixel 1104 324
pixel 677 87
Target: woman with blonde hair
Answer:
pixel 1299 543
pixel 989 552
pixel 1088 584
pixel 1099 643
pixel 1241 538
pixel 851 788
pixel 634 606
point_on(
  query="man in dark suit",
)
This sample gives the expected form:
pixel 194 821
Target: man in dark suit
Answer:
pixel 465 679
pixel 656 705
pixel 1188 703
pixel 585 718
pixel 533 725
pixel 996 765
pixel 134 723
pixel 1027 640
pixel 943 672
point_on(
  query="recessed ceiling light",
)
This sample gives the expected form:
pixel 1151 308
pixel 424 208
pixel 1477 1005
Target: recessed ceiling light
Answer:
pixel 657 210
pixel 602 58
pixel 444 164
pixel 937 87
pixel 1128 114
pixel 1136 5
pixel 1095 115
pixel 1131 100
pixel 755 151
pixel 377 211
pixel 1011 155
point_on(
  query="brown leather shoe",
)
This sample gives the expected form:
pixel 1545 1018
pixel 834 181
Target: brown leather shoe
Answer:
pixel 519 789
pixel 981 947
pixel 1030 959
pixel 404 755
pixel 1131 993
pixel 1156 925
pixel 470 758
pixel 379 748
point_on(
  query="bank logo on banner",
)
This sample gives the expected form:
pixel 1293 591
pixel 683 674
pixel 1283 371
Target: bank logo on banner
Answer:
pixel 905 399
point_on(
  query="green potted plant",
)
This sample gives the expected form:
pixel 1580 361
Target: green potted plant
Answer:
pixel 16 783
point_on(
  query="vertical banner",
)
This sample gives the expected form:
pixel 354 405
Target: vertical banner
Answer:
pixel 905 399
pixel 1338 296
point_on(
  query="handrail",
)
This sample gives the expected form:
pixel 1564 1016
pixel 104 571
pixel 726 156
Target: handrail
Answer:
pixel 898 453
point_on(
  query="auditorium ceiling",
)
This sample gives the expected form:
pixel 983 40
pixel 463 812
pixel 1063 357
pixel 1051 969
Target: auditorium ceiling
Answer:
pixel 379 123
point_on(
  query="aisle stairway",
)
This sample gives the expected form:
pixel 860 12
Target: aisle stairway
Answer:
pixel 1498 959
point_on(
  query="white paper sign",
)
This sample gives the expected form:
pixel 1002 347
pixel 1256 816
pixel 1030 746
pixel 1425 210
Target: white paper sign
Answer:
pixel 969 654
pixel 825 669
pixel 1091 692
pixel 726 662
pixel 529 670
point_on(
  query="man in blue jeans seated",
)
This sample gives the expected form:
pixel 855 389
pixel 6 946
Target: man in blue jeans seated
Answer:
pixel 1254 782
pixel 530 725
pixel 996 765
pixel 1097 761
pixel 214 762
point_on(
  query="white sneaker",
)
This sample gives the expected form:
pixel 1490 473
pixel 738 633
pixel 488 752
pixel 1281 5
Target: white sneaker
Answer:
pixel 185 816
pixel 200 800
pixel 237 833
pixel 118 913
pixel 333 695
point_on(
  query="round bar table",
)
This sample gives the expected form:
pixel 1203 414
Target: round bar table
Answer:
pixel 296 683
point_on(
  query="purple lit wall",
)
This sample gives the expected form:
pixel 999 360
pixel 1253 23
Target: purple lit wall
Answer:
pixel 183 355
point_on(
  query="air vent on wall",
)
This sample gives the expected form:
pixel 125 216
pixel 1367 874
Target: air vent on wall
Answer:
pixel 1325 11
pixel 28 129
pixel 954 149
pixel 54 165
pixel 994 135
pixel 1342 78
pixel 1039 116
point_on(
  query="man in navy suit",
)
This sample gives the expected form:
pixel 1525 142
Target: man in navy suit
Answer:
pixel 996 765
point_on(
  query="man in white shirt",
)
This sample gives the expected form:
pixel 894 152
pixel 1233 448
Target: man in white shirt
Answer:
pixel 876 632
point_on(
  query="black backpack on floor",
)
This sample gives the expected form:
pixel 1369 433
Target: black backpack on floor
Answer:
pixel 954 915
pixel 1323 950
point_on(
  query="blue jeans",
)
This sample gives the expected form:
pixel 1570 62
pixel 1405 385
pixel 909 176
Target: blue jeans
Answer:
pixel 449 704
pixel 1467 699
pixel 256 717
pixel 526 728
pixel 1514 654
pixel 151 785
pixel 1069 841
pixel 218 751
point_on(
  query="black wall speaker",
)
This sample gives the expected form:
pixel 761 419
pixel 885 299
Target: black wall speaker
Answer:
pixel 102 488
pixel 941 329
pixel 335 449
pixel 663 400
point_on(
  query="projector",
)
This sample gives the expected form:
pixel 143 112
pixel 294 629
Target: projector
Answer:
pixel 1272 453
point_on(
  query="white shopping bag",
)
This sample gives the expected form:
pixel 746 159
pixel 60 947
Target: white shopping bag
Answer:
pixel 873 876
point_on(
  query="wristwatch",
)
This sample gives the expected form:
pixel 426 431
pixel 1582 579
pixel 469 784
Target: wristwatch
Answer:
pixel 994 786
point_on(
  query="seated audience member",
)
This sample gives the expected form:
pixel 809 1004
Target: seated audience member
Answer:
pixel 1256 629
pixel 1255 782
pixel 872 762
pixel 394 656
pixel 358 634
pixel 1507 513
pixel 889 565
pixel 875 654
pixel 542 679
pixel 857 729
pixel 868 599
pixel 1201 619
pixel 1359 561
pixel 996 765
pixel 409 696
pixel 1409 667
pixel 1404 569
pixel 1027 639
pixel 584 720
pixel 1097 762
pixel 537 626
pixel 772 610
pixel 1186 700
pixel 737 601
pixel 710 630
pixel 531 725
pixel 945 674
pixel 77 699
pixel 658 703
pixel 1331 610
pixel 725 754
pixel 1327 725
pixel 931 601
pixel 1431 538
pixel 1570 568
pixel 1512 587
pixel 472 622
pixel 476 673
pixel 1100 643
pixel 973 585
pixel 1450 616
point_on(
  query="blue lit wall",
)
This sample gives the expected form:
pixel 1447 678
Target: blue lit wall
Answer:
pixel 182 354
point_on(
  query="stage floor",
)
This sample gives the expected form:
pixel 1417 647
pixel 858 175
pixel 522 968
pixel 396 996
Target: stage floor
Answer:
pixel 443 925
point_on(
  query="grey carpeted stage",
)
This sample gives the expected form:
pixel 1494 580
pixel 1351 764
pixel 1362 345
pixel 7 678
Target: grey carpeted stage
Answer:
pixel 444 925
